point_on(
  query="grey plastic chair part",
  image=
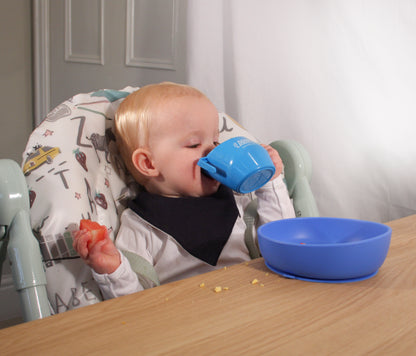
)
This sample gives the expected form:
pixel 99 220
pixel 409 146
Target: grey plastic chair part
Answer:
pixel 143 269
pixel 22 246
pixel 298 172
pixel 250 218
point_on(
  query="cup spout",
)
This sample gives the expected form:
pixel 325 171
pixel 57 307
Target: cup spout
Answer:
pixel 208 167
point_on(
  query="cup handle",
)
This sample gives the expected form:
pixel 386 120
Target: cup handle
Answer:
pixel 204 164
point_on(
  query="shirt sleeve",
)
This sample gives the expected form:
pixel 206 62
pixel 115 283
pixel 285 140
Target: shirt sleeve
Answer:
pixel 274 202
pixel 121 282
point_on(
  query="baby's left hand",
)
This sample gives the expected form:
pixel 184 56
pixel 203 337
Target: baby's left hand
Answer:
pixel 277 161
pixel 96 248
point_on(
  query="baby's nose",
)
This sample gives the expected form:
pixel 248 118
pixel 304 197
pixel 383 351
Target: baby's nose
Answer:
pixel 209 149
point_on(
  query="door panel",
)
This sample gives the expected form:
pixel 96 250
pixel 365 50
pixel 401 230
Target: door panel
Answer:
pixel 99 44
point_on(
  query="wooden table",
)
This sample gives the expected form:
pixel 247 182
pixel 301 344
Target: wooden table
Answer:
pixel 274 316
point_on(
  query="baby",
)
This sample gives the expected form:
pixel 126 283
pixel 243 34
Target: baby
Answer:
pixel 182 223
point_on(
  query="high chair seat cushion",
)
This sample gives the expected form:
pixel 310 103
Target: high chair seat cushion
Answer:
pixel 73 172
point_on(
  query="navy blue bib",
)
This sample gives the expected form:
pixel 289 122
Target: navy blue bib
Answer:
pixel 201 226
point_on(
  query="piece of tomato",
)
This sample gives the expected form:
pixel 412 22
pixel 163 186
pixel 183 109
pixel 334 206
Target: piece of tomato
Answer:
pixel 98 232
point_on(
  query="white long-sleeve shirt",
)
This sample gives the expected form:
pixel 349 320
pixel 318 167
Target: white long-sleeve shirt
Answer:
pixel 170 260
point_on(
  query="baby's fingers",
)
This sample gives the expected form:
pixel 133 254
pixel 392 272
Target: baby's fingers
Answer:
pixel 80 244
pixel 275 157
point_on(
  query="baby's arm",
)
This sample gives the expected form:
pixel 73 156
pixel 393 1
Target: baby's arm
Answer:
pixel 111 270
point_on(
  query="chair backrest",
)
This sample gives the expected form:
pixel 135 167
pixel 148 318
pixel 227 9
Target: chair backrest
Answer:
pixel 73 171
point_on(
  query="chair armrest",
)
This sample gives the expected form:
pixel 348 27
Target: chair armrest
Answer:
pixel 298 173
pixel 22 246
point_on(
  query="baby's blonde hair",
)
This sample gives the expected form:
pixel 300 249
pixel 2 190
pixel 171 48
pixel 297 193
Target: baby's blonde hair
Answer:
pixel 133 117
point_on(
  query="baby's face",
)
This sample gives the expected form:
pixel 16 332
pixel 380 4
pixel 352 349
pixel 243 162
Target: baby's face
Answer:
pixel 183 130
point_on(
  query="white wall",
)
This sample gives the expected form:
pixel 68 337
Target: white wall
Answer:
pixel 337 76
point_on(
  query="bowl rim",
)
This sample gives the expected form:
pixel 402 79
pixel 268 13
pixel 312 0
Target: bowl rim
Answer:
pixel 387 232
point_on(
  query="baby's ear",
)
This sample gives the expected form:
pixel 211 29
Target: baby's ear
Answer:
pixel 142 161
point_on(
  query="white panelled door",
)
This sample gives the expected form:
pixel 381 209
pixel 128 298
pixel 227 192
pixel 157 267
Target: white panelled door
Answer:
pixel 84 45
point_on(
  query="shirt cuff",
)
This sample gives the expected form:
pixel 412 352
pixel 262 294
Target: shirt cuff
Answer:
pixel 122 281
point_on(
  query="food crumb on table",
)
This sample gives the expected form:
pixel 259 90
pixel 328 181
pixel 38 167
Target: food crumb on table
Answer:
pixel 219 289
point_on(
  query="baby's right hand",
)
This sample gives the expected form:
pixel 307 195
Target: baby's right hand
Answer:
pixel 100 254
pixel 277 161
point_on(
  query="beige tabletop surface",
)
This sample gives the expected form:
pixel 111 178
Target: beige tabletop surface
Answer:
pixel 257 312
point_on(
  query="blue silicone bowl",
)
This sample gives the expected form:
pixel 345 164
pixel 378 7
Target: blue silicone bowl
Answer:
pixel 319 249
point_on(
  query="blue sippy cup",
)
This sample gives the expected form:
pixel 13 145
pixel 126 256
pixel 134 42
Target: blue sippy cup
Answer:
pixel 240 164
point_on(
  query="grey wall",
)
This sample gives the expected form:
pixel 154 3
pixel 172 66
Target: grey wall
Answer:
pixel 15 77
pixel 16 115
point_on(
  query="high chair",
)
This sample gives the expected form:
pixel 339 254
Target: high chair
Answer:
pixel 71 170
